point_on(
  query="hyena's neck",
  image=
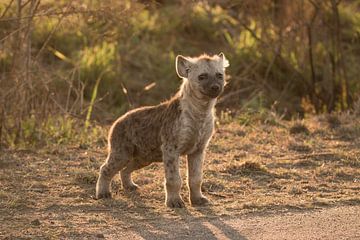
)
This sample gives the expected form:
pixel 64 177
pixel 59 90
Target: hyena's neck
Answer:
pixel 198 106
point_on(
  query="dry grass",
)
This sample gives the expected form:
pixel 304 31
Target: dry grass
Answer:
pixel 48 193
pixel 299 127
pixel 333 121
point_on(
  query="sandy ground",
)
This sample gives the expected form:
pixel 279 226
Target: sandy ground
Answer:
pixel 265 181
pixel 330 223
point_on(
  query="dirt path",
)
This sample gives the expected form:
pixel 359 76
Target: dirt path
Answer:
pixel 263 182
pixel 331 223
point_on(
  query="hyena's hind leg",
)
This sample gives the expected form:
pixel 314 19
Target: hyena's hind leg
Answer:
pixel 115 162
pixel 125 175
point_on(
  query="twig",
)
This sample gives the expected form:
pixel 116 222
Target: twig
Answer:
pixel 33 7
pixel 70 89
pixel 311 57
pixel 52 31
pixel 12 33
pixel 93 98
pixel 54 14
pixel 6 9
pixel 126 92
pixel 1 125
pixel 251 31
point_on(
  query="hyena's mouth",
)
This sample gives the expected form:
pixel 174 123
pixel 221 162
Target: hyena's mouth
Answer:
pixel 211 94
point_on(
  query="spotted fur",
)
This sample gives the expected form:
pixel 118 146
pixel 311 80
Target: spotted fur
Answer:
pixel 182 125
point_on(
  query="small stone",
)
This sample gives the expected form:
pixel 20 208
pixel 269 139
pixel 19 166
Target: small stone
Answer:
pixel 298 128
pixel 240 133
pixel 100 235
pixel 83 146
pixel 36 222
pixel 216 161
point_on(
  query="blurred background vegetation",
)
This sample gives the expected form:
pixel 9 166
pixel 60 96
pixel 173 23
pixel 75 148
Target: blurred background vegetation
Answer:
pixel 67 65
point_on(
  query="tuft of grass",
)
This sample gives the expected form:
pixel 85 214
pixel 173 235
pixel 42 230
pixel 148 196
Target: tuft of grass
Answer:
pixel 85 177
pixel 299 128
pixel 333 121
pixel 295 190
pixel 348 133
pixel 226 117
pixel 92 101
pixel 341 174
pixel 246 168
pixel 58 130
pixel 217 148
pixel 317 201
pixel 213 186
pixel 357 107
pixel 17 202
pixel 306 163
pixel 262 116
pixel 352 160
pixel 299 148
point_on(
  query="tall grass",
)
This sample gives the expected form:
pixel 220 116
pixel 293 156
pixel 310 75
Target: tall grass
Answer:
pixel 92 100
pixel 74 58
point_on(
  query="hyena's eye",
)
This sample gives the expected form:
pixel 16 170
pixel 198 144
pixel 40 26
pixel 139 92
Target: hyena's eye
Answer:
pixel 219 75
pixel 203 76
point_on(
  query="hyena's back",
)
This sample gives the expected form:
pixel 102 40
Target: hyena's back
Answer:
pixel 139 132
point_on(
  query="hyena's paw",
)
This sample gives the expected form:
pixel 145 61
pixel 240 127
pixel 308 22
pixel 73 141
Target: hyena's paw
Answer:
pixel 175 203
pixel 200 201
pixel 103 195
pixel 131 187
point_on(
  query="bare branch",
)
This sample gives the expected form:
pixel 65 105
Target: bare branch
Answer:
pixel 57 13
pixel 53 31
pixel 6 9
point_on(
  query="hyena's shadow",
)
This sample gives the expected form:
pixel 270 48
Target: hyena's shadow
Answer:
pixel 150 223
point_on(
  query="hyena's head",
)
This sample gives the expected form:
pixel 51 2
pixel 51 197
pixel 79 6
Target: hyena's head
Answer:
pixel 205 74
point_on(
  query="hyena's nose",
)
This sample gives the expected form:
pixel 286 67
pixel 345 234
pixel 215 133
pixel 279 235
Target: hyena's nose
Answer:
pixel 215 87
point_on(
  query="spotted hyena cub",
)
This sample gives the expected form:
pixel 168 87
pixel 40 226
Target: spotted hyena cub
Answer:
pixel 182 125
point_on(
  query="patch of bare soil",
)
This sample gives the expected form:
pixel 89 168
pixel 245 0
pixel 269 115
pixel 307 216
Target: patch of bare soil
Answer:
pixel 266 170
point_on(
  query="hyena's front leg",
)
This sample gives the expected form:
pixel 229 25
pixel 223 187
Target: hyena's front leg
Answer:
pixel 172 178
pixel 195 162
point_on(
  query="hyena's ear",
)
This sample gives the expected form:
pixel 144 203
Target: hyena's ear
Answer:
pixel 225 62
pixel 182 66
